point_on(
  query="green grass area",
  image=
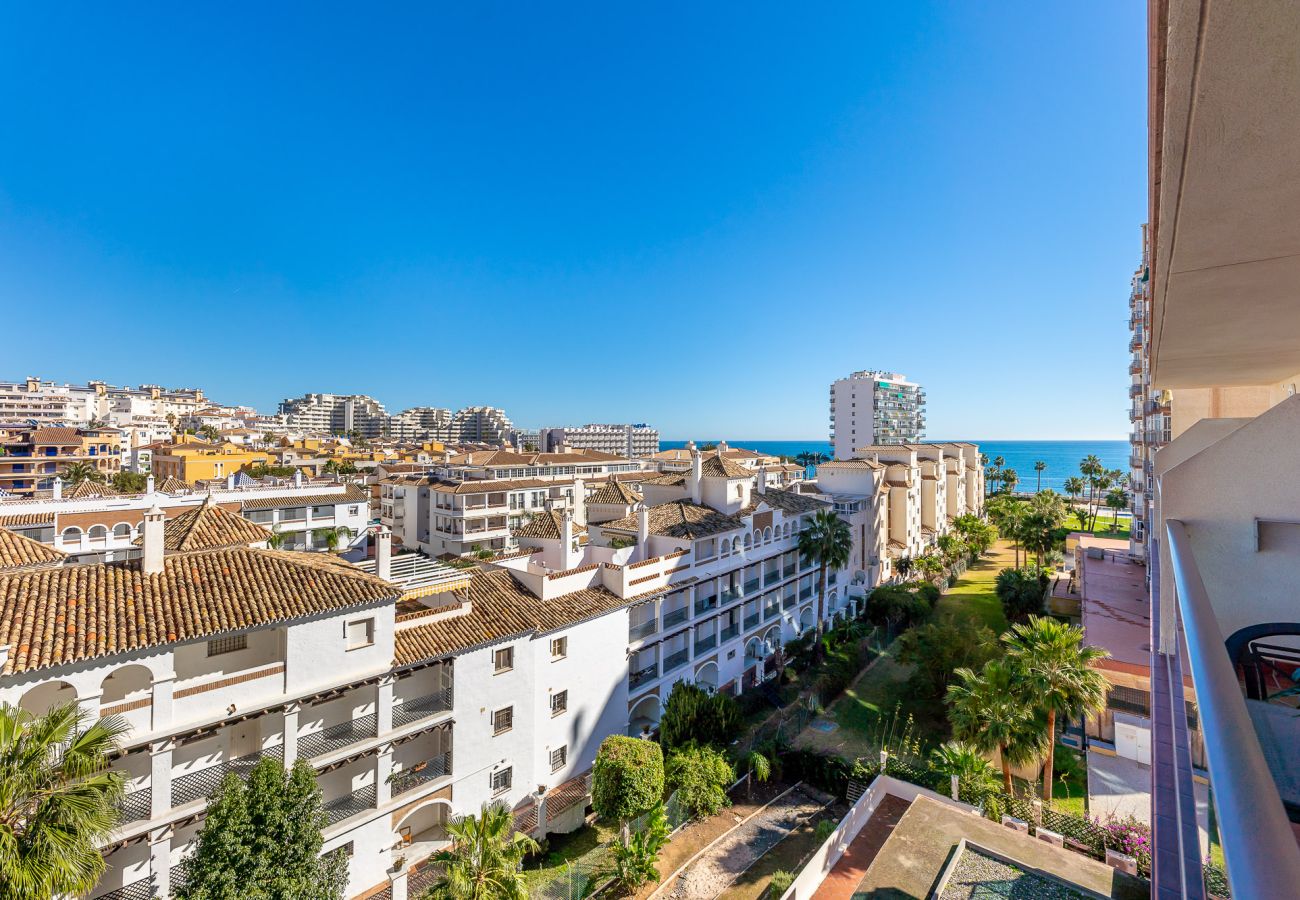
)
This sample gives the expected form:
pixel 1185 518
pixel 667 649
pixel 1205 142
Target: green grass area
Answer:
pixel 562 850
pixel 864 706
pixel 973 594
pixel 1104 526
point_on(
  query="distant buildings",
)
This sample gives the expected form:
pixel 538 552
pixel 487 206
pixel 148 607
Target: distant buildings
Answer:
pixel 871 407
pixel 32 457
pixel 335 414
pixel 34 399
pixel 632 441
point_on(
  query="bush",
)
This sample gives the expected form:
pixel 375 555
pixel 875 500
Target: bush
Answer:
pixel 1216 880
pixel 901 605
pixel 1021 592
pixel 694 715
pixel 1132 837
pixel 938 648
pixel 825 771
pixel 825 828
pixel 700 776
pixel 627 778
pixel 780 883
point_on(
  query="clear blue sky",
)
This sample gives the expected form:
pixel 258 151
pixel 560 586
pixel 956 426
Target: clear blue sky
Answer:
pixel 695 215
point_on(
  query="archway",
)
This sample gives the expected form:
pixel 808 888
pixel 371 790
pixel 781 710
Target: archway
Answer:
pixel 805 619
pixel 71 535
pixel 98 534
pixel 40 698
pixel 424 829
pixel 131 689
pixel 706 676
pixel 644 715
pixel 122 530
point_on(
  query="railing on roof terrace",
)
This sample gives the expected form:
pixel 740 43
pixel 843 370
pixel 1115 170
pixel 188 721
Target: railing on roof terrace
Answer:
pixel 1259 845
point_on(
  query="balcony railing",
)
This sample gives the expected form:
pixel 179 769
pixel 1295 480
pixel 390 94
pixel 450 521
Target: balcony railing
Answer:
pixel 703 645
pixel 336 737
pixel 642 629
pixel 752 585
pixel 789 602
pixel 730 633
pixel 137 806
pixel 1259 844
pixel 676 660
pixel 805 593
pixel 704 604
pixel 422 707
pixel 752 620
pixel 676 617
pixel 771 611
pixel 136 890
pixel 194 785
pixel 788 570
pixel 350 804
pixel 728 595
pixel 421 773
pixel 644 675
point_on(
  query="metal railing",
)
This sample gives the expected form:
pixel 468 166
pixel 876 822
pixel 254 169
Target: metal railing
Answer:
pixel 137 806
pixel 730 632
pixel 194 785
pixel 676 617
pixel 676 660
pixel 704 604
pixel 703 645
pixel 136 890
pixel 422 773
pixel 643 675
pixel 751 621
pixel 642 629
pixel 771 611
pixel 409 711
pixel 350 804
pixel 336 737
pixel 1259 845
pixel 751 585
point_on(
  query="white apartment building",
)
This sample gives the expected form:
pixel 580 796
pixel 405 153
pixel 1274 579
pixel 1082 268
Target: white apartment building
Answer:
pixel 872 407
pixel 481 425
pixel 97 524
pixel 335 414
pixel 412 706
pixel 421 423
pixel 49 402
pixel 630 441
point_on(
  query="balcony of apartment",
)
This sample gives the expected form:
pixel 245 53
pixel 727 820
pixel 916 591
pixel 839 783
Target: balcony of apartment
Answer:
pixel 1134 390
pixel 730 589
pixel 484 502
pixel 676 655
pixel 706 637
pixel 771 571
pixel 200 764
pixel 807 586
pixel 771 606
pixel 492 525
pixel 337 722
pixel 137 800
pixel 752 579
pixel 706 598
pixel 421 760
pixel 423 694
pixel 753 615
pixel 643 667
pixel 349 788
pixel 790 596
pixel 676 609
pixel 243 671
pixel 789 563
pixel 730 629
pixel 642 622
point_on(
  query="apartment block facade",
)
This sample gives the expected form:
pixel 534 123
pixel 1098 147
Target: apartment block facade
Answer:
pixel 31 458
pixel 632 441
pixel 872 407
pixel 335 414
pixel 47 402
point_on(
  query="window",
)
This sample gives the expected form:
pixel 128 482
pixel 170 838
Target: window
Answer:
pixel 559 757
pixel 559 648
pixel 501 780
pixel 503 720
pixel 504 659
pixel 559 702
pixel 230 644
pixel 361 633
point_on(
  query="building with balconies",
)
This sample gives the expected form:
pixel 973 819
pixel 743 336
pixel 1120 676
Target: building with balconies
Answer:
pixel 872 407
pixel 33 457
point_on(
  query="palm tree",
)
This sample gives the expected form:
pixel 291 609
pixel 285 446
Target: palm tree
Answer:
pixel 1009 479
pixel 987 711
pixel 998 463
pixel 75 473
pixel 1091 469
pixel 1058 674
pixel 952 548
pixel 1074 487
pixel 277 539
pixel 973 770
pixel 1008 513
pixel 760 769
pixel 1039 466
pixel 903 566
pixel 332 538
pixel 1116 500
pixel 827 541
pixel 58 800
pixel 483 862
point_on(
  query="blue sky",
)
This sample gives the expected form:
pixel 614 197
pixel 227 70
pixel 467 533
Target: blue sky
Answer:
pixel 694 215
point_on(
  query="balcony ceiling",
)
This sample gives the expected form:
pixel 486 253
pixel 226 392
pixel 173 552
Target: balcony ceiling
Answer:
pixel 1227 200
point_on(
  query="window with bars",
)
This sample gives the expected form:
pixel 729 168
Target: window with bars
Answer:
pixel 503 720
pixel 559 702
pixel 559 757
pixel 218 646
pixel 501 780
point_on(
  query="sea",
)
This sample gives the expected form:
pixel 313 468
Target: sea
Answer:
pixel 1062 457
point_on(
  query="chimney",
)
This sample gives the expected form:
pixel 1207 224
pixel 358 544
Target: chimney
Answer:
pixel 148 484
pixel 384 552
pixel 722 447
pixel 697 474
pixel 690 445
pixel 58 488
pixel 762 479
pixel 152 555
pixel 230 481
pixel 568 558
pixel 643 530
pixel 580 501
pixel 297 477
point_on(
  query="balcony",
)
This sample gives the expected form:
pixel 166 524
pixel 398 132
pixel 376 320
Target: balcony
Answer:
pixel 676 660
pixel 136 806
pixel 644 675
pixel 788 571
pixel 337 737
pixel 727 596
pixel 414 710
pixel 676 617
pixel 639 630
pixel 771 611
pixel 421 773
pixel 730 633
pixel 752 621
pixel 201 783
pixel 805 593
pixel 705 644
pixel 752 585
pixel 350 804
pixel 704 604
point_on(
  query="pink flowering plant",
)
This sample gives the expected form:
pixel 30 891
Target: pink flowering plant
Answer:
pixel 1131 837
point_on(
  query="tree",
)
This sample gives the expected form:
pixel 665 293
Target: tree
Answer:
pixel 211 433
pixel 1059 676
pixel 760 769
pixel 58 800
pixel 937 649
pixel 75 473
pixel 627 778
pixel 901 605
pixel 1009 480
pixel 1039 466
pixel 929 565
pixel 988 711
pixel 1008 513
pixel 277 539
pixel 129 482
pixel 1074 486
pixel 1116 500
pixel 903 566
pixel 484 860
pixel 700 776
pixel 974 772
pixel 633 864
pixel 951 548
pixel 977 534
pixel 1021 592
pixel 332 538
pixel 827 541
pixel 261 840
pixel 998 463
pixel 693 714
pixel 1091 469
pixel 1038 534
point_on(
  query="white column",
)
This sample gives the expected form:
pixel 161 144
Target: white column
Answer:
pixel 161 709
pixel 384 703
pixel 383 769
pixel 160 777
pixel 291 711
pixel 160 861
pixel 397 879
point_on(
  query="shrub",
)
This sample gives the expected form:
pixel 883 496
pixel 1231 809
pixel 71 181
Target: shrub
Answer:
pixel 700 776
pixel 627 778
pixel 938 648
pixel 632 865
pixel 1216 880
pixel 825 828
pixel 693 714
pixel 780 883
pixel 826 771
pixel 1021 592
pixel 901 605
pixel 1132 837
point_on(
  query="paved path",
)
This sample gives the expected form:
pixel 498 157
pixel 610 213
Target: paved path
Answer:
pixel 843 880
pixel 722 863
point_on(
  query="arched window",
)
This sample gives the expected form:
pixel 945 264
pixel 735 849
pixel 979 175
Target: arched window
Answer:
pixel 122 530
pixel 735 545
pixel 748 542
pixel 98 532
pixel 767 534
pixel 72 535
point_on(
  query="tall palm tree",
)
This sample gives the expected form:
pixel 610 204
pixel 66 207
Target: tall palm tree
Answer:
pixel 483 861
pixel 827 541
pixel 332 538
pixel 987 710
pixel 1091 469
pixel 1074 487
pixel 75 473
pixel 998 463
pixel 1117 499
pixel 58 800
pixel 1009 479
pixel 1058 674
pixel 1039 466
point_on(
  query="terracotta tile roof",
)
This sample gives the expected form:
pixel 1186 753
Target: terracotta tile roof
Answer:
pixel 680 518
pixel 633 476
pixel 516 458
pixel 669 478
pixel 545 525
pixel 352 494
pixel 19 520
pixel 208 527
pixel 499 609
pixel 851 464
pixel 615 492
pixel 787 501
pixel 50 617
pixel 19 552
pixel 492 485
pixel 715 465
pixel 57 435
pixel 173 485
pixel 88 489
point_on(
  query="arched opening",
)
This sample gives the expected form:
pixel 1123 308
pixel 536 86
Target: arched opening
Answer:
pixel 98 534
pixel 643 718
pixel 753 651
pixel 785 530
pixel 122 531
pixel 129 688
pixel 706 676
pixel 735 545
pixel 71 535
pixel 424 829
pixel 40 698
pixel 805 619
pixel 767 535
pixel 748 542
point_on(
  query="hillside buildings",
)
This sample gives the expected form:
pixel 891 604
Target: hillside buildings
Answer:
pixel 632 441
pixel 47 402
pixel 1221 334
pixel 872 407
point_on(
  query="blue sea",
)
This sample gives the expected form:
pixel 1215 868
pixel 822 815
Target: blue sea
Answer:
pixel 1062 457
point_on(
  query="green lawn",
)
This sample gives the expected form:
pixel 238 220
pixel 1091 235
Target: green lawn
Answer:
pixel 563 849
pixel 1103 525
pixel 973 594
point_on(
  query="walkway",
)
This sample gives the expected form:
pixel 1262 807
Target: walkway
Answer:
pixel 722 863
pixel 843 880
